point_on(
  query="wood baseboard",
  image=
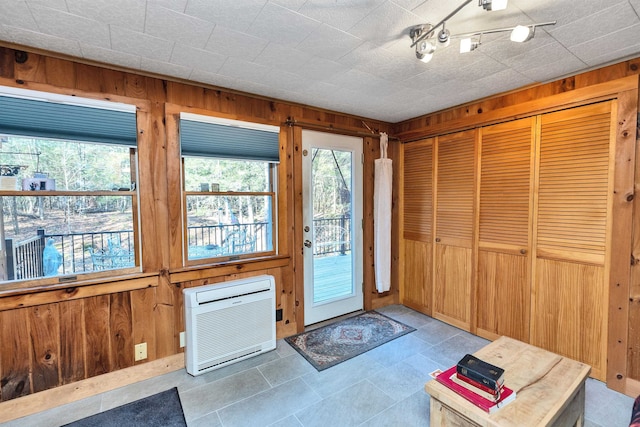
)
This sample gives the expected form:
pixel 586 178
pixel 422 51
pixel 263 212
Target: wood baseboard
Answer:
pixel 48 399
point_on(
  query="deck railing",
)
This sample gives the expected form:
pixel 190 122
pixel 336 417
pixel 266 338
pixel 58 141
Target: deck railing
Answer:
pixel 25 258
pixel 217 235
pixel 331 235
pixel 85 252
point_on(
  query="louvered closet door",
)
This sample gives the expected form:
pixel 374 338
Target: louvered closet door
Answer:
pixel 417 224
pixel 505 192
pixel 569 307
pixel 453 261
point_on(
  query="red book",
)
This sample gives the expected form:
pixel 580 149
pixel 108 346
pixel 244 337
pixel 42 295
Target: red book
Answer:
pixel 506 396
pixel 481 386
pixel 478 391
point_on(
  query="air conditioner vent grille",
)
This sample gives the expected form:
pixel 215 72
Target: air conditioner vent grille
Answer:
pixel 229 322
pixel 250 325
pixel 230 358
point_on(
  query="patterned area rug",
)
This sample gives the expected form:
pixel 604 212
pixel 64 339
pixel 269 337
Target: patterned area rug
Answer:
pixel 332 344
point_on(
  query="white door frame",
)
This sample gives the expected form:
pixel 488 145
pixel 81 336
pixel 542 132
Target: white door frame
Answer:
pixel 314 313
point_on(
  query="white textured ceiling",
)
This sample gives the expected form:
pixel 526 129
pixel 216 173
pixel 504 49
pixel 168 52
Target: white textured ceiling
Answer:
pixel 351 56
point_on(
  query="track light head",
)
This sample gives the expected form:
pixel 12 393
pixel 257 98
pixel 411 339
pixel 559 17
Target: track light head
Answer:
pixel 522 33
pixel 425 45
pixel 493 4
pixel 425 50
pixel 468 45
pixel 444 37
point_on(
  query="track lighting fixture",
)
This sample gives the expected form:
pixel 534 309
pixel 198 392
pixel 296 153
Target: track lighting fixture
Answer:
pixel 426 47
pixel 444 37
pixel 522 33
pixel 493 4
pixel 469 44
pixel 426 37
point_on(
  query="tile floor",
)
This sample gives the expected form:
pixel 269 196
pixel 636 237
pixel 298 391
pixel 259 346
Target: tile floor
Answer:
pixel 383 387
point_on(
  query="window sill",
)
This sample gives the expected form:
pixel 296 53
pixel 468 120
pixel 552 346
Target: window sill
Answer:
pixel 53 193
pixel 224 268
pixel 27 287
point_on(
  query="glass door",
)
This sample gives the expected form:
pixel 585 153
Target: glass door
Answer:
pixel 332 229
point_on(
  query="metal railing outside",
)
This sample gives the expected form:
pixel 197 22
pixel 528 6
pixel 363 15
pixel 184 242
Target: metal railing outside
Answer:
pixel 86 252
pixel 25 258
pixel 331 236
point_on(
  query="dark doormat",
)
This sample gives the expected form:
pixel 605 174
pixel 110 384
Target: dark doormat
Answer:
pixel 162 409
pixel 332 344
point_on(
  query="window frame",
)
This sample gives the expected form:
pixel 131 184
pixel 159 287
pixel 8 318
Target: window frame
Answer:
pixel 122 105
pixel 174 115
pixel 272 193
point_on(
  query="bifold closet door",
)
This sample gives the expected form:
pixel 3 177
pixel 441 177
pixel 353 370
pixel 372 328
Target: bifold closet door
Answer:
pixel 504 229
pixel 454 227
pixel 571 234
pixel 417 225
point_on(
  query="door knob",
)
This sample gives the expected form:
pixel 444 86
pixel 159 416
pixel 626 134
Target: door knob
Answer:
pixel 307 243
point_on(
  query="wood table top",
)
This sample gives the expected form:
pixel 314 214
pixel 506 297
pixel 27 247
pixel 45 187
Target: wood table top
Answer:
pixel 544 383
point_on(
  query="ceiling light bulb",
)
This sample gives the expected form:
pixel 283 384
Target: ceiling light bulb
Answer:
pixel 426 46
pixel 522 33
pixel 444 38
pixel 424 57
pixel 499 4
pixel 424 50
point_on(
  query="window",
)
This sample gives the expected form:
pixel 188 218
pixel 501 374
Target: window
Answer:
pixel 229 170
pixel 68 203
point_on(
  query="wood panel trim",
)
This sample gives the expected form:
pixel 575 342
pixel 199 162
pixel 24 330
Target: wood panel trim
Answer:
pixel 355 131
pixel 227 268
pixel 297 249
pixel 370 151
pixel 142 104
pixel 475 233
pixel 48 399
pixel 631 387
pixel 622 218
pixel 75 292
pixel 573 98
pixel 451 320
pixel 452 241
pixel 398 175
pixel 571 255
pixel 504 248
pixel 177 109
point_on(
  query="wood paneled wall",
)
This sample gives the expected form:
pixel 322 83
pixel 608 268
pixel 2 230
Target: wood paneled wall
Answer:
pixel 618 305
pixel 69 332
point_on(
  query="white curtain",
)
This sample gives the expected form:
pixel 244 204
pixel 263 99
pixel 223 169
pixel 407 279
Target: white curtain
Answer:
pixel 382 216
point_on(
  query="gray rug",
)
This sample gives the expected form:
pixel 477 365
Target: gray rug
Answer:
pixel 162 409
pixel 332 344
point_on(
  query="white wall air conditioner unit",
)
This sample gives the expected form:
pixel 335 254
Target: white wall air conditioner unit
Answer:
pixel 229 322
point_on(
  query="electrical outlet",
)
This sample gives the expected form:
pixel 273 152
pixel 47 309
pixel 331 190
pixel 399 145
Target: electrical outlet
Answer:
pixel 140 351
pixel 181 339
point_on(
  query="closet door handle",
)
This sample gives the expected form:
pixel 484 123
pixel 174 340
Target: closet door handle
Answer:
pixel 523 251
pixel 437 240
